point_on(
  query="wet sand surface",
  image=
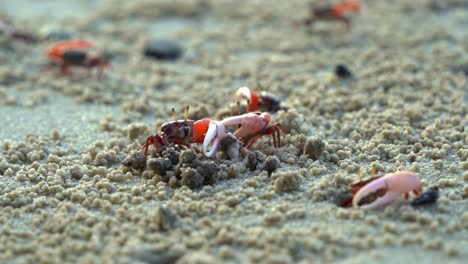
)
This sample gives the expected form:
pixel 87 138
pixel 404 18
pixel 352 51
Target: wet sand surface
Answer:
pixel 74 190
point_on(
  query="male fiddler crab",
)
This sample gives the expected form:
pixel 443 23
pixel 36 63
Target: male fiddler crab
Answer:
pixel 336 12
pixel 382 189
pixel 206 131
pixel 76 53
pixel 252 126
pixel 12 33
pixel 262 101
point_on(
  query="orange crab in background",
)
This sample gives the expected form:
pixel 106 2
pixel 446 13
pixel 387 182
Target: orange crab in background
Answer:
pixel 384 188
pixel 76 53
pixel 336 12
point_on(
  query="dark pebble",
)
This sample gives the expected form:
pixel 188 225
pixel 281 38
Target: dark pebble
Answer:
pixel 343 72
pixel 165 218
pixel 271 164
pixel 150 257
pixel 163 50
pixel 428 197
pixel 461 68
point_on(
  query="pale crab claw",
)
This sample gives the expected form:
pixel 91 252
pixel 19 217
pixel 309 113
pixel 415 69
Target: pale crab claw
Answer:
pixel 215 133
pixel 244 93
pixel 395 184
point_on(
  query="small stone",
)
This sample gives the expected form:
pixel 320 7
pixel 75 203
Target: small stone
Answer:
pixel 158 257
pixel 343 72
pixel 50 32
pixel 428 197
pixel 165 218
pixel 463 68
pixel 136 161
pixel 162 50
pixel 54 134
pixel 314 147
pixel 271 164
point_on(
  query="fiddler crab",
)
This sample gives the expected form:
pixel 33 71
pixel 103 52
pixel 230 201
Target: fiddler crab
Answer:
pixel 380 190
pixel 263 101
pixel 252 125
pixel 12 33
pixel 336 12
pixel 78 53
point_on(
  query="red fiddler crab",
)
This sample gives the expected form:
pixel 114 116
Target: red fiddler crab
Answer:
pixel 252 126
pixel 333 12
pixel 78 53
pixel 180 132
pixel 259 102
pixel 184 132
pixel 382 189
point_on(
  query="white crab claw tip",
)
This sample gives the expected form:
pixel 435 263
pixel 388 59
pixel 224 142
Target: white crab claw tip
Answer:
pixel 244 93
pixel 215 133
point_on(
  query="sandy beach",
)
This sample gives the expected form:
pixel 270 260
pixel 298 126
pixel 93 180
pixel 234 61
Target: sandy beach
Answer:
pixel 76 188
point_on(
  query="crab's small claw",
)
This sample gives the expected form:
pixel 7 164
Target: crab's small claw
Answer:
pixel 244 93
pixel 215 133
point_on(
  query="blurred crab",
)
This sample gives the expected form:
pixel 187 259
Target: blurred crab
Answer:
pixel 79 53
pixel 252 126
pixel 180 132
pixel 336 12
pixel 382 189
pixel 259 102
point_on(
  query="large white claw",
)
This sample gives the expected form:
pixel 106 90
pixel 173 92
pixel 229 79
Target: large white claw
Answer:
pixel 215 133
pixel 371 187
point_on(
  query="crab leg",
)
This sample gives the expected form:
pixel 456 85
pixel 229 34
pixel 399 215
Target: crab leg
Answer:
pixel 215 133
